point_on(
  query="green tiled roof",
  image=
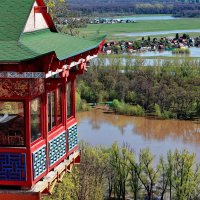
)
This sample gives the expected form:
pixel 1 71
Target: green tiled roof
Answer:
pixel 42 42
pixel 16 46
pixel 13 17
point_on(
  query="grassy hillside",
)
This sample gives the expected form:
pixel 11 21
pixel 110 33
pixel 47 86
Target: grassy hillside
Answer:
pixel 141 26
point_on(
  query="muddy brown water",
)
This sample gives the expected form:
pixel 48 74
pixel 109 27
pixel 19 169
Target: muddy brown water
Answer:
pixel 99 128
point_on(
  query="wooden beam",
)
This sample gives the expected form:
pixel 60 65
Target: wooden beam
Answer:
pixel 40 9
pixel 14 195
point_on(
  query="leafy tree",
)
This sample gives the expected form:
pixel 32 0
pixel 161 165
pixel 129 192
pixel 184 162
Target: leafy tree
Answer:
pixel 57 9
pixel 164 178
pixel 135 171
pixel 183 175
pixel 148 175
pixel 119 163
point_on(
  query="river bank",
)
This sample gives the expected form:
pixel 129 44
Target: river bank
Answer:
pixel 169 91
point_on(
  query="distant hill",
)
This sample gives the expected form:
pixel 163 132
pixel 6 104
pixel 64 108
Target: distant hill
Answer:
pixel 74 2
pixel 183 8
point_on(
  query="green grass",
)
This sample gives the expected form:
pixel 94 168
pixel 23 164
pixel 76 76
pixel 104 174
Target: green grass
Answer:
pixel 141 26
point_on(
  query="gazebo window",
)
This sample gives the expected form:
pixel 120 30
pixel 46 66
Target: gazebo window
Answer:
pixel 36 132
pixel 54 108
pixel 69 99
pixel 59 118
pixel 12 123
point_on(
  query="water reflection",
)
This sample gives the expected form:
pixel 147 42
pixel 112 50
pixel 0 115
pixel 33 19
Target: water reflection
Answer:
pixel 160 136
pixel 136 34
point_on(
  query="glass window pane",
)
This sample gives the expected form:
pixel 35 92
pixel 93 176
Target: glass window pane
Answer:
pixel 59 106
pixel 69 100
pixel 12 123
pixel 36 119
pixel 49 111
pixel 53 109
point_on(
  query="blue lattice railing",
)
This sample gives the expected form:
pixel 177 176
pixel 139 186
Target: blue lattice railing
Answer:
pixel 72 137
pixel 39 161
pixel 57 148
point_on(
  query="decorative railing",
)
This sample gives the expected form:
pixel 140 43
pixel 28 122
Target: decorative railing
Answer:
pixel 57 148
pixel 13 167
pixel 39 161
pixel 72 137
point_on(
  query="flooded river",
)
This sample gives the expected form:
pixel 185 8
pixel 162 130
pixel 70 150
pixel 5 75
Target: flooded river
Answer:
pixel 150 58
pixel 149 17
pixel 160 136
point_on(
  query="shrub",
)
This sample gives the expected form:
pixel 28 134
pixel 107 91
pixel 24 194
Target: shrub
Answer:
pixel 181 51
pixel 127 109
pixel 157 110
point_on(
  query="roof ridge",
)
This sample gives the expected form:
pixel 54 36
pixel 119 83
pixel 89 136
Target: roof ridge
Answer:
pixel 26 34
pixel 14 15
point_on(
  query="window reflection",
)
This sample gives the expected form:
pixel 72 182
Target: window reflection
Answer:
pixel 59 111
pixel 51 110
pixel 53 120
pixel 36 132
pixel 12 123
pixel 69 99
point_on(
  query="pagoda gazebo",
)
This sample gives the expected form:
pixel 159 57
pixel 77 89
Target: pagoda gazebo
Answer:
pixel 38 69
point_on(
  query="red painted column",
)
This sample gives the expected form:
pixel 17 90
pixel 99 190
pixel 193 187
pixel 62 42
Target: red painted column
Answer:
pixel 28 142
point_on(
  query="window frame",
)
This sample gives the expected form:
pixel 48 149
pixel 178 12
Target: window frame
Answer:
pixel 72 100
pixel 58 123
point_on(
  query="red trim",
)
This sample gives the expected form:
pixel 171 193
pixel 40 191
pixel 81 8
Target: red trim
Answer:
pixel 29 169
pixel 71 122
pixel 56 132
pixel 71 151
pixel 40 9
pixel 74 96
pixel 21 196
pixel 27 125
pixel 14 183
pixel 13 150
pixel 38 145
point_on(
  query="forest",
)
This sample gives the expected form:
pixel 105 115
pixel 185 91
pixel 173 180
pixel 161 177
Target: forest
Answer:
pixel 170 90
